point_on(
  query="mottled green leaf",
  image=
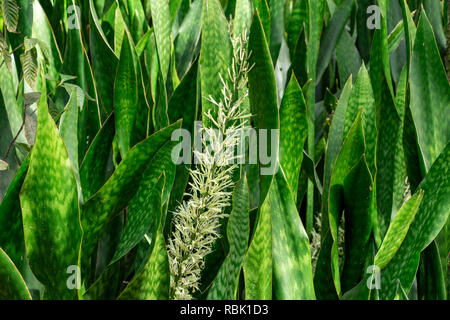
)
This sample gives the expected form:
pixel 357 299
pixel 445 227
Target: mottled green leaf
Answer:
pixel 429 220
pixel 215 56
pixel 50 209
pixel 104 61
pixel 258 260
pixel 161 23
pixel 225 285
pixel 397 230
pixel 121 187
pixel 351 152
pixel 144 213
pixel 263 97
pixel 334 143
pixel 347 56
pixel 94 168
pixel 388 132
pixel 362 97
pixel 292 271
pixel 152 283
pixel 293 132
pixel 358 223
pixel 68 128
pixel 430 94
pixel 262 8
pixel 125 97
pixel 242 17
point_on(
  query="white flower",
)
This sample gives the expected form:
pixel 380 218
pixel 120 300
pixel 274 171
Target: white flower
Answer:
pixel 196 221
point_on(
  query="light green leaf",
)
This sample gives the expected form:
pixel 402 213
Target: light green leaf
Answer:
pixel 152 283
pixel 225 285
pixel 215 56
pixel 161 23
pixel 293 132
pixel 50 209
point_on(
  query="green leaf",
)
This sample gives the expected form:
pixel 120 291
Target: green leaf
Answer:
pixel 362 97
pixel 120 187
pixel 334 143
pixel 358 223
pixel 276 28
pixel 13 109
pixel 12 285
pixel 11 229
pixel 242 17
pixel 215 56
pixel 388 133
pixel 397 230
pixel 293 132
pixel 106 287
pixel 152 283
pixel 68 129
pixel 400 164
pixel 161 23
pixel 225 285
pixel 347 56
pixel 430 94
pixel 144 210
pixel 262 8
pixel 292 271
pixel 431 277
pixel 331 36
pixel 94 168
pixel 188 38
pixel 258 260
pixel 103 61
pixel 314 30
pixel 263 96
pixel 125 97
pixel 185 95
pixel 429 220
pixel 351 152
pixel 50 209
pixel 10 12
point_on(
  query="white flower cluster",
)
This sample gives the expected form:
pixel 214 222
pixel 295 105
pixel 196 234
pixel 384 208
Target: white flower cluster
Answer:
pixel 196 222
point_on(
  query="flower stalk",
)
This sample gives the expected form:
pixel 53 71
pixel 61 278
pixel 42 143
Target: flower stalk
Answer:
pixel 196 221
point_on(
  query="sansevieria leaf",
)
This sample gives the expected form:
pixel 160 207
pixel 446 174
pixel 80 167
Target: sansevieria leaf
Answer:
pixel 429 220
pixel 12 285
pixel 215 56
pixel 430 94
pixel 125 97
pixel 152 283
pixel 226 283
pixel 120 187
pixel 161 22
pixel 50 210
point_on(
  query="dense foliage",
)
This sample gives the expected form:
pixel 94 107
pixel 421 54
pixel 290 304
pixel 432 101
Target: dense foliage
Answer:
pixel 349 198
